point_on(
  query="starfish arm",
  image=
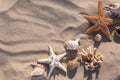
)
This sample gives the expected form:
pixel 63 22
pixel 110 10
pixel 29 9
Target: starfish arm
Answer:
pixel 90 18
pixel 100 9
pixel 106 31
pixel 61 56
pixel 92 29
pixel 51 50
pixel 51 68
pixel 62 67
pixel 116 21
pixel 43 61
pixel 109 21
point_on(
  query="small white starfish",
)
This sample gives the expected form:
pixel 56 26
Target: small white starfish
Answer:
pixel 53 61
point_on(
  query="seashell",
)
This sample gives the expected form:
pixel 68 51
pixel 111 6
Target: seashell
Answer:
pixel 98 37
pixel 114 9
pixel 114 5
pixel 72 65
pixel 39 70
pixel 117 31
pixel 72 44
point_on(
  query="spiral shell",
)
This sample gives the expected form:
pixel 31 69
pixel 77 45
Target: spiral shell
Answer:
pixel 98 37
pixel 72 44
pixel 39 70
pixel 72 65
pixel 114 10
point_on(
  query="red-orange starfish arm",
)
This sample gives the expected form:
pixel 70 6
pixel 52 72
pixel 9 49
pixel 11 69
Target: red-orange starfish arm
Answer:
pixel 116 21
pixel 92 29
pixel 90 18
pixel 106 31
pixel 100 9
pixel 112 21
pixel 109 21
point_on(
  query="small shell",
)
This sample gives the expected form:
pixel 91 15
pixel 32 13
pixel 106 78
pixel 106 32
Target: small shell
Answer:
pixel 72 44
pixel 117 31
pixel 114 6
pixel 113 10
pixel 98 37
pixel 72 65
pixel 39 70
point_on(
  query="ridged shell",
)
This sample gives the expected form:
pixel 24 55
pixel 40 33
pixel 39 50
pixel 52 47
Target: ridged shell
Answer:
pixel 39 70
pixel 98 37
pixel 114 5
pixel 114 10
pixel 72 65
pixel 72 45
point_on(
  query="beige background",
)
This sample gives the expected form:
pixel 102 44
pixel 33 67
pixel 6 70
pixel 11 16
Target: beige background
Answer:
pixel 29 26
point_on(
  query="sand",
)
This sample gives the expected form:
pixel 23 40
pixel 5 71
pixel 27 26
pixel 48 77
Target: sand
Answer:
pixel 6 4
pixel 29 26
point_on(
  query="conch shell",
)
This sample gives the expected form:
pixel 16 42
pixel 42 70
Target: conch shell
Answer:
pixel 72 44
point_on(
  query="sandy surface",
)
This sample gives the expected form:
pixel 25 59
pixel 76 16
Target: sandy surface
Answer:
pixel 6 4
pixel 28 27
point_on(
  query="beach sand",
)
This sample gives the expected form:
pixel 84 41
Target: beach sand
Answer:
pixel 29 26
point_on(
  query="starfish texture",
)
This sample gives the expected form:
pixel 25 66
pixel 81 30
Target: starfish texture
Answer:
pixel 53 61
pixel 100 22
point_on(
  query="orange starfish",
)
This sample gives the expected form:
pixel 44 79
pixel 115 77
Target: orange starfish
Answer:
pixel 100 22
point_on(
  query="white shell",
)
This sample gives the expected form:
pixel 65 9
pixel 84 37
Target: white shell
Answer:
pixel 72 44
pixel 114 9
pixel 38 71
pixel 114 5
pixel 98 37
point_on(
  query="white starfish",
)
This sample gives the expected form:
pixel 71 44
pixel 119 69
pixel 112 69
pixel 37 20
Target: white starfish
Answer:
pixel 53 61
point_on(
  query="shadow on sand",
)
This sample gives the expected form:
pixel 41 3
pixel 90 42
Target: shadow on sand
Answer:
pixel 71 73
pixel 116 39
pixel 88 74
pixel 117 78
